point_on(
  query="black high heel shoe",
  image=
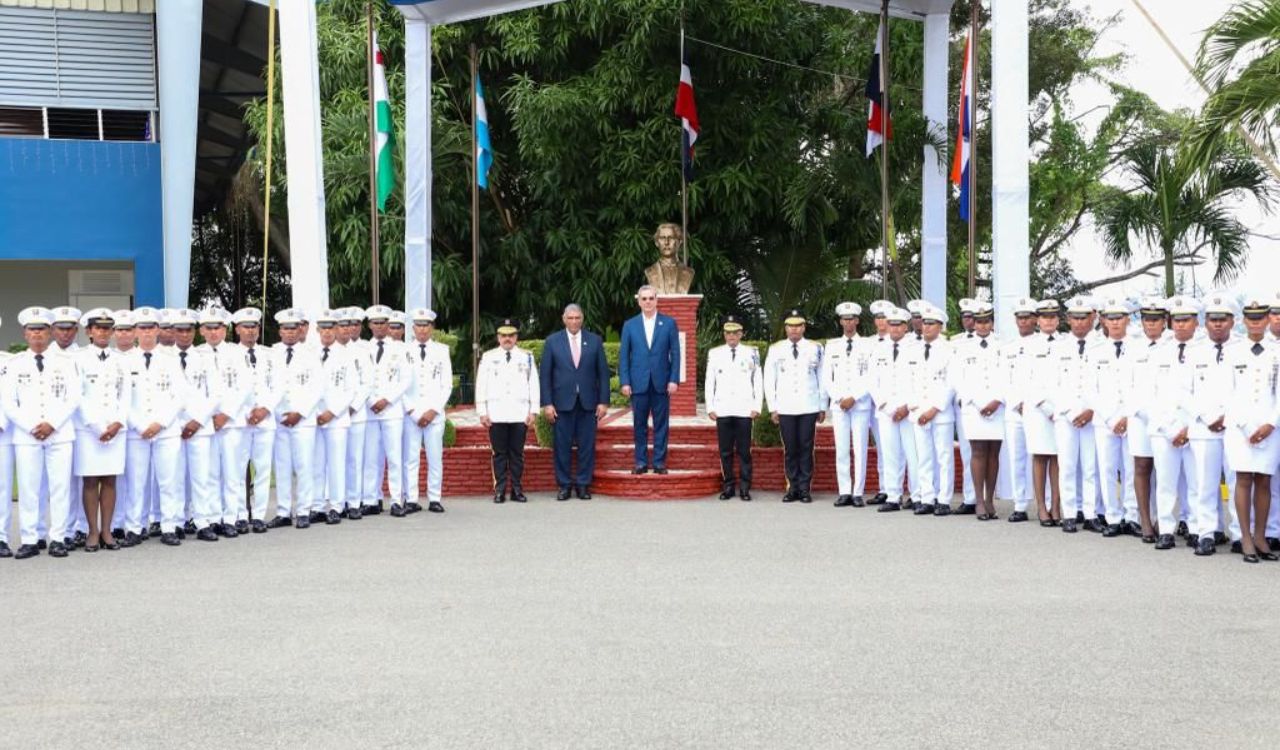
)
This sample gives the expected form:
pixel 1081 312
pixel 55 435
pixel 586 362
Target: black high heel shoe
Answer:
pixel 113 545
pixel 1269 556
pixel 1250 559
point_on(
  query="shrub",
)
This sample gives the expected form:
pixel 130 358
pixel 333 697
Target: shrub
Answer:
pixel 544 431
pixel 450 433
pixel 764 432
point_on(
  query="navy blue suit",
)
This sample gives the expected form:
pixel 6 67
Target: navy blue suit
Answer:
pixel 575 392
pixel 648 369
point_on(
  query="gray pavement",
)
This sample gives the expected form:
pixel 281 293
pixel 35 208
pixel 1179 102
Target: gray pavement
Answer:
pixel 616 624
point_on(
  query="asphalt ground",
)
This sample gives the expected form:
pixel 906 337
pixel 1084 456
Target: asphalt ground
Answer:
pixel 612 624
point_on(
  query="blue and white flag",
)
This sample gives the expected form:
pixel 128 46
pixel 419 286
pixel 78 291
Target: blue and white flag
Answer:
pixel 484 150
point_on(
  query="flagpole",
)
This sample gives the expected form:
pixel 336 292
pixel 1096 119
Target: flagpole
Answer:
pixel 374 272
pixel 884 147
pixel 271 132
pixel 973 144
pixel 475 219
pixel 684 178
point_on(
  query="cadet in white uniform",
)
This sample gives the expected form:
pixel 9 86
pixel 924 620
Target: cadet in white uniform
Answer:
pixel 878 309
pixel 1067 401
pixel 333 420
pixel 300 384
pixel 256 447
pixel 931 411
pixel 122 340
pixel 1170 416
pixel 1211 391
pixel 507 393
pixel 236 384
pixel 1041 442
pixel 1139 378
pixel 966 335
pixel 1111 423
pixel 384 433
pixel 431 382
pixel 980 387
pixel 39 395
pixel 846 381
pixel 101 436
pixel 360 385
pixel 889 390
pixel 793 390
pixel 66 329
pixel 734 392
pixel 1016 374
pixel 1252 448
pixel 6 469
pixel 396 325
pixel 202 422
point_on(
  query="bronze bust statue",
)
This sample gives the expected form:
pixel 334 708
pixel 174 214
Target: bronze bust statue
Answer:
pixel 669 275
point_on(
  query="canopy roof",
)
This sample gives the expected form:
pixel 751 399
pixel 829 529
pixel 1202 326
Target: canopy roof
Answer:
pixel 446 11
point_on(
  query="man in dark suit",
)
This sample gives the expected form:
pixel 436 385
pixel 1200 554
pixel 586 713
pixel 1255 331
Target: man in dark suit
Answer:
pixel 649 373
pixel 574 379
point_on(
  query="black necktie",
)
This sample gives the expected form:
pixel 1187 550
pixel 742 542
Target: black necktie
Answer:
pixel 926 351
pixel 325 357
pixel 422 352
pixel 147 357
pixel 1257 349
pixel 795 350
pixel 983 343
pixel 183 357
pixel 1119 344
pixel 1081 343
pixel 895 351
pixel 378 358
pixel 1182 348
pixel 1051 338
pixel 733 354
pixel 1153 343
pixel 40 362
pixel 253 359
pixel 848 346
pixel 102 357
pixel 288 354
pixel 1219 348
pixel 508 356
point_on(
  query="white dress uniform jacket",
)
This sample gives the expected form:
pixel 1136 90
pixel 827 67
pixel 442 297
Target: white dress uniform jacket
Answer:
pixel 507 388
pixel 104 401
pixel 735 381
pixel 792 378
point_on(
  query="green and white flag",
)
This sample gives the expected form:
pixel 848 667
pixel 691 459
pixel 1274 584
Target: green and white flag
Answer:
pixel 384 131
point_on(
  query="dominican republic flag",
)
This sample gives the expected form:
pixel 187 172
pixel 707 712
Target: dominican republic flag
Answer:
pixel 875 93
pixel 383 129
pixel 484 149
pixel 687 111
pixel 960 159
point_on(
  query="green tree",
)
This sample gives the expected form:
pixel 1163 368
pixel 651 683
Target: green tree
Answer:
pixel 1239 60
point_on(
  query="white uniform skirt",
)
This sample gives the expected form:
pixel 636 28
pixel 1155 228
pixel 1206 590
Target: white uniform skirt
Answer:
pixel 94 458
pixel 1242 455
pixel 1039 431
pixel 1139 439
pixel 978 427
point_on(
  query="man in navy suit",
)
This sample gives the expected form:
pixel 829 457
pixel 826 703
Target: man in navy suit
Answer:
pixel 574 379
pixel 649 373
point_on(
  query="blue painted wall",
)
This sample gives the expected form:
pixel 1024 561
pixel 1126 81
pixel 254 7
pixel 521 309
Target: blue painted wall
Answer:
pixel 84 200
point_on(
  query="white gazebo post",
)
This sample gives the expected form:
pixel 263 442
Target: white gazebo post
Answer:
pixel 933 219
pixel 178 27
pixel 1010 158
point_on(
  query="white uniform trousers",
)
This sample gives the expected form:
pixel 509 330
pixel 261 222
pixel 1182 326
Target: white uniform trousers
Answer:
pixel 122 494
pixel 1015 464
pixel 936 459
pixel 230 483
pixel 354 493
pixel 875 436
pixel 1115 476
pixel 164 456
pixel 431 438
pixel 1204 496
pixel 6 490
pixel 255 448
pixel 383 448
pixel 203 506
pixel 1077 466
pixel 151 493
pixel 1172 464
pixel 47 465
pixel 1273 518
pixel 295 450
pixel 966 453
pixel 850 425
pixel 331 453
pixel 898 447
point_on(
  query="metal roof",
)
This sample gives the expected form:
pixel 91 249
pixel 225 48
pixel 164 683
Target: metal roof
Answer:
pixel 108 6
pixel 446 11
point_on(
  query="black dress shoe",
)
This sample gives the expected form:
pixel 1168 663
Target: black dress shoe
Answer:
pixel 1206 547
pixel 1069 526
pixel 745 495
pixel 25 551
pixel 1237 548
pixel 923 510
pixel 519 497
pixel 1219 538
pixel 1273 543
pixel 942 510
pixel 908 504
pixel 584 493
pixel 1093 525
pixel 189 527
pixel 331 518
pixel 303 522
pixel 118 534
pixel 1193 540
pixel 80 539
pixel 858 502
pixel 659 470
pixel 889 507
pixel 1166 541
pixel 1018 517
pixel 181 534
pixel 42 544
pixel 435 507
pixel 372 510
pixel 500 498
pixel 207 534
pixel 805 497
pixel 316 516
pixel 279 521
pixel 1079 517
pixel 397 510
pixel 354 513
pixel 170 538
pixel 563 494
pixel 727 493
pixel 4 550
pixel 131 539
pixel 1182 528
pixel 844 501
pixel 966 510
pixel 57 549
pixel 1112 530
pixel 242 527
pixel 790 497
pixel 258 526
pixel 640 470
pixel 412 507
pixel 229 531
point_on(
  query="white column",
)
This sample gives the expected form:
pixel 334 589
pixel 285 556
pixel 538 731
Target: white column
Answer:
pixel 1010 179
pixel 417 164
pixel 933 261
pixel 300 76
pixel 178 26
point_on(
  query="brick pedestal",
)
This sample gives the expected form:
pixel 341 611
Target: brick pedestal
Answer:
pixel 684 308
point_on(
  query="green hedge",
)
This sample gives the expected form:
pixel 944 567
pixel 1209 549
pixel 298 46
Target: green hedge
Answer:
pixel 544 430
pixel 764 432
pixel 611 351
pixel 450 433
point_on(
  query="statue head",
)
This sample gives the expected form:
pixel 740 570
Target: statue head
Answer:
pixel 668 238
